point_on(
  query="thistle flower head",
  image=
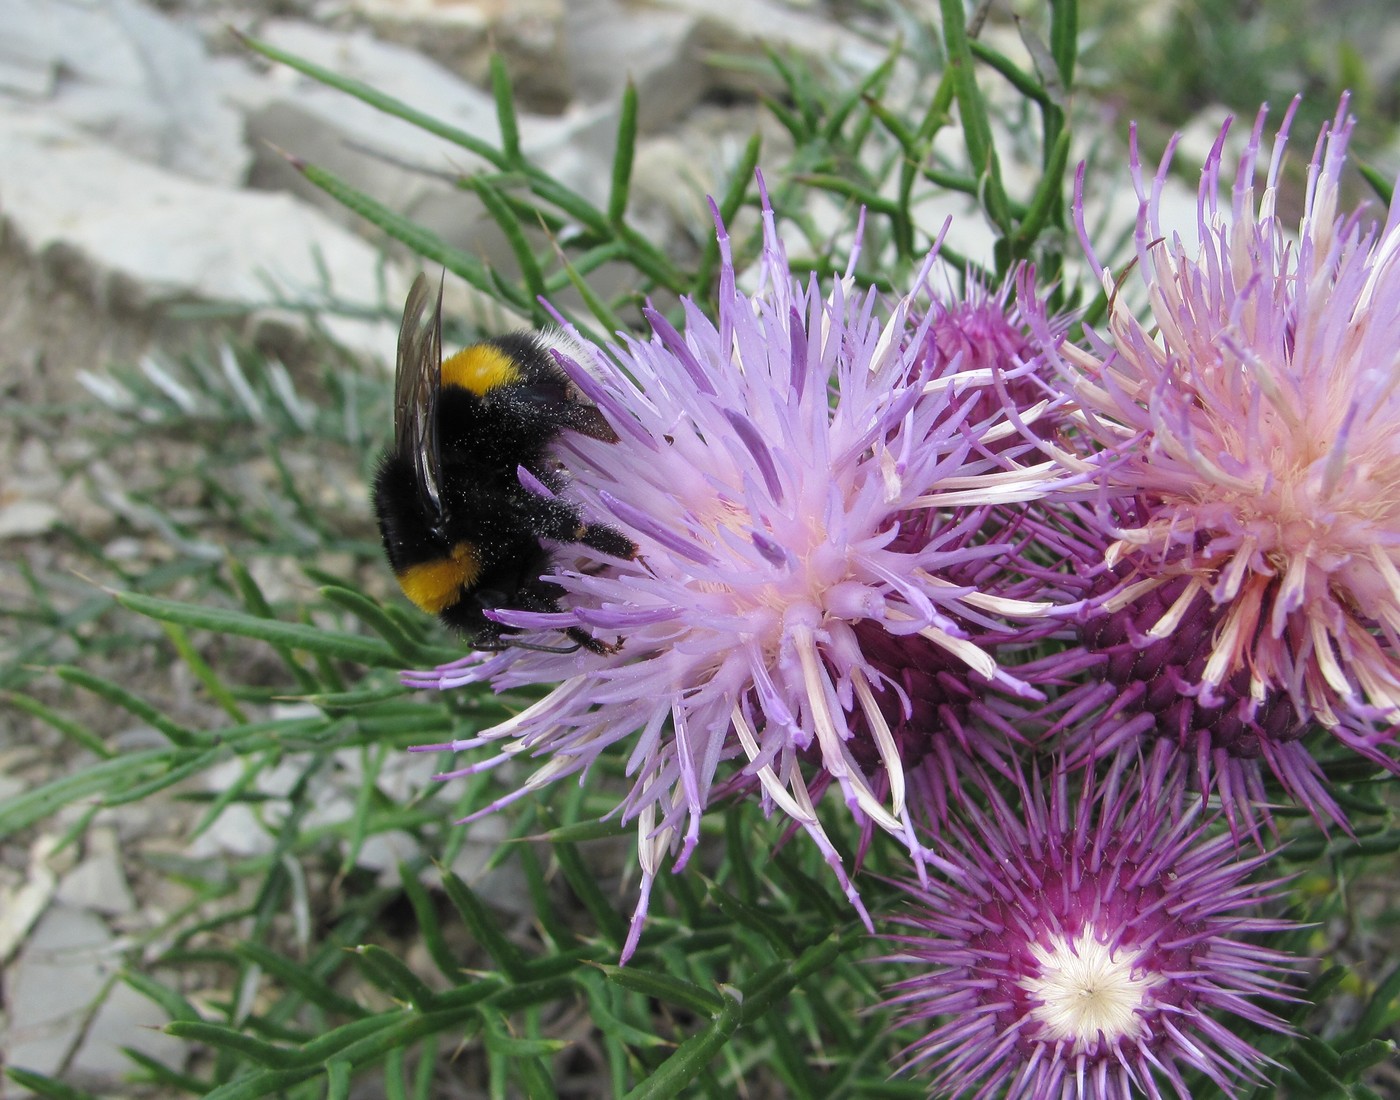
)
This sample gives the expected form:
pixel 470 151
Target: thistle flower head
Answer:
pixel 1248 426
pixel 797 484
pixel 990 334
pixel 1087 946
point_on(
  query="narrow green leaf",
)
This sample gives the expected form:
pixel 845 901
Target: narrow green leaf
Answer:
pixel 484 927
pixel 530 273
pixel 171 1002
pixel 1017 77
pixel 693 1056
pixel 741 178
pixel 378 100
pixel 608 321
pixel 624 156
pixel 203 673
pixel 865 92
pixel 1356 1061
pixel 1064 38
pixel 504 96
pixel 1047 197
pixel 66 726
pixel 160 1074
pixel 1383 186
pixel 47 1087
pixel 23 810
pixel 972 110
pixel 1381 1009
pixel 553 918
pixel 429 927
pixel 779 979
pixel 391 975
pixel 183 765
pixel 132 704
pixel 230 794
pixel 300 978
pixel 338 1080
pixel 583 880
pixel 416 237
pixel 664 987
pixel 232 1040
pixel 373 616
pixel 601 1013
pixel 325 643
pixel 852 189
pixel 581 831
pixel 778 935
pixel 256 604
pixel 1323 985
pixel 335 701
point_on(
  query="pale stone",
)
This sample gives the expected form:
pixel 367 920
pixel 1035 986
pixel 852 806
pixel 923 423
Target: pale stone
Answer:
pixel 98 882
pixel 461 35
pixel 52 985
pixel 127 75
pixel 21 903
pixel 609 43
pixel 63 1009
pixel 128 238
pixel 400 165
pixel 27 518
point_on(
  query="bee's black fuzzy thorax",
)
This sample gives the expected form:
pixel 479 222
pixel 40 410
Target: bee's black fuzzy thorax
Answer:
pixel 461 532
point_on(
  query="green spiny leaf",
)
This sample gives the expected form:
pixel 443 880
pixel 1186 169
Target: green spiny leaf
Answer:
pixel 324 643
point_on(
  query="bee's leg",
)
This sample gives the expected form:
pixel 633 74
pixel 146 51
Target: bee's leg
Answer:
pixel 558 520
pixel 544 596
pixel 592 644
pixel 602 537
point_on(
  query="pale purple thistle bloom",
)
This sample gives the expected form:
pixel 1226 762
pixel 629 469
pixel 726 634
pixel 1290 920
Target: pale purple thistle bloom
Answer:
pixel 1084 947
pixel 1249 425
pixel 767 463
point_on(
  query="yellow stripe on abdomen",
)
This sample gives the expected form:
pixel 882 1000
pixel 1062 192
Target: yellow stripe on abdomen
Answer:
pixel 434 586
pixel 480 368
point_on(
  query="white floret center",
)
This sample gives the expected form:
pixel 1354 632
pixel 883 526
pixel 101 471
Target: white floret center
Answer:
pixel 1086 989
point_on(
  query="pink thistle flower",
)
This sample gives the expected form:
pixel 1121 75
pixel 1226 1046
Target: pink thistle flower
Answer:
pixel 997 336
pixel 1249 426
pixel 768 466
pixel 1087 947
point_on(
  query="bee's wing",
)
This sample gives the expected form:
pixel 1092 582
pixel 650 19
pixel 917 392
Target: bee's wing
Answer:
pixel 417 382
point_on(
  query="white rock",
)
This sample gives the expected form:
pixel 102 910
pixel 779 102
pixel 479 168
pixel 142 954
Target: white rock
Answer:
pixel 333 130
pixel 98 882
pixel 26 518
pixel 608 43
pixel 127 74
pixel 131 237
pixel 750 26
pixel 21 904
pixel 51 986
pixel 461 35
pixel 57 1013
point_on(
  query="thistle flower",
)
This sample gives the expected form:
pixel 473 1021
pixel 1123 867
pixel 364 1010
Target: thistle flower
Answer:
pixel 946 718
pixel 769 464
pixel 1087 947
pixel 1248 429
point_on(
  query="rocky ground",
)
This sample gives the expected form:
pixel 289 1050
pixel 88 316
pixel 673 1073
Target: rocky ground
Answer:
pixel 145 212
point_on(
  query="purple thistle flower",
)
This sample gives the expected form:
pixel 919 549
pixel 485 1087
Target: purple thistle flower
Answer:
pixel 1087 947
pixel 1251 476
pixel 772 468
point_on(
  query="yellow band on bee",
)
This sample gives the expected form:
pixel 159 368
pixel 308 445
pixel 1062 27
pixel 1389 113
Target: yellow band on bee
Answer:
pixel 480 368
pixel 434 586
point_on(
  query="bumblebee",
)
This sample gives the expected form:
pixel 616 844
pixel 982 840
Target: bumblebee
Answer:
pixel 461 532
